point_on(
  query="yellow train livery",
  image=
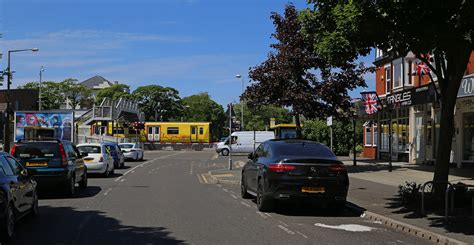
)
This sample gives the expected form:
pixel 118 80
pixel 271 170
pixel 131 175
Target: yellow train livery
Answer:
pixel 178 132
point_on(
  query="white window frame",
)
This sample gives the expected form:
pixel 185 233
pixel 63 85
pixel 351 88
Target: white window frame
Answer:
pixel 370 129
pixel 409 78
pixel 397 62
pixel 374 135
pixel 388 78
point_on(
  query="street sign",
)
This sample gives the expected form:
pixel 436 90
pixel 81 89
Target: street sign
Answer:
pixel 329 121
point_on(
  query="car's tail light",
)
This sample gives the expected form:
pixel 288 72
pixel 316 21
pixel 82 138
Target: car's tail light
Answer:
pixel 281 167
pixel 101 159
pixel 337 168
pixel 63 155
pixel 12 151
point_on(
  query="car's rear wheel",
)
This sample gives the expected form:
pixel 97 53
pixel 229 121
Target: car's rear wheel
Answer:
pixel 83 183
pixel 243 189
pixel 264 204
pixel 225 152
pixel 71 186
pixel 141 158
pixel 8 225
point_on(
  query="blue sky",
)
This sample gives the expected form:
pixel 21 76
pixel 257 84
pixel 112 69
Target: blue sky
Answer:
pixel 191 45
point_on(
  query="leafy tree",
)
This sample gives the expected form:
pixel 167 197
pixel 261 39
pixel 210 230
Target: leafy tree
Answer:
pixel 159 103
pixel 438 30
pixel 114 92
pixel 51 94
pixel 75 93
pixel 259 118
pixel 343 134
pixel 201 108
pixel 287 78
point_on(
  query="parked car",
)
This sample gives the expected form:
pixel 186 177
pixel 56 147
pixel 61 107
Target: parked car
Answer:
pixel 132 151
pixel 98 159
pixel 244 141
pixel 18 195
pixel 117 155
pixel 53 163
pixel 294 169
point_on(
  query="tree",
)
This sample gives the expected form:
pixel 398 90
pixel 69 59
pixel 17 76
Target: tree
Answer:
pixel 259 118
pixel 201 108
pixel 287 78
pixel 158 103
pixel 114 92
pixel 51 94
pixel 439 33
pixel 74 93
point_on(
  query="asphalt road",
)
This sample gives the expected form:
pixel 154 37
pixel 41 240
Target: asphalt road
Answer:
pixel 169 199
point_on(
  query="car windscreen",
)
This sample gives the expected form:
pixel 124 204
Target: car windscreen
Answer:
pixel 37 150
pixel 89 149
pixel 126 146
pixel 305 150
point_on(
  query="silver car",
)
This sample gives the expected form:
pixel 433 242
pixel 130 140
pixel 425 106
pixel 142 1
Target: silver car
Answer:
pixel 132 151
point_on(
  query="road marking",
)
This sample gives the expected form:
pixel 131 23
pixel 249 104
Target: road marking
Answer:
pixel 222 175
pixel 262 215
pixel 348 227
pixel 286 229
pixel 143 164
pixel 245 204
pixel 122 180
pixel 303 235
pixel 199 178
pixel 234 196
pixel 192 168
pixel 107 191
pixel 267 214
pixel 204 178
pixel 215 156
pixel 224 189
pixel 283 223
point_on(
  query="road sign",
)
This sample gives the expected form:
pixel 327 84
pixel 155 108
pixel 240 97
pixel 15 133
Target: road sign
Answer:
pixel 329 121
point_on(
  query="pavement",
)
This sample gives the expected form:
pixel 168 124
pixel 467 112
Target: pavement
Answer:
pixel 374 191
pixel 170 198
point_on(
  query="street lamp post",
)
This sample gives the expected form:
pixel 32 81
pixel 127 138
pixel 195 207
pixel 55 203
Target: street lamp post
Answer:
pixel 241 103
pixel 39 87
pixel 6 137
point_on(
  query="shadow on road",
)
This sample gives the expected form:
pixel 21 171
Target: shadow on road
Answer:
pixel 90 191
pixel 293 208
pixel 65 225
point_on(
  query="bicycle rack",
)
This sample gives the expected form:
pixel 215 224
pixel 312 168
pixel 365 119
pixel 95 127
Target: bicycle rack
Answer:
pixel 423 187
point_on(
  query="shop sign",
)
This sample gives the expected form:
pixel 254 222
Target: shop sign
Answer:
pixel 415 96
pixel 467 86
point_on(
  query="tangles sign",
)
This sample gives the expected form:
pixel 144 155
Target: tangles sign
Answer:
pixel 415 96
pixel 467 86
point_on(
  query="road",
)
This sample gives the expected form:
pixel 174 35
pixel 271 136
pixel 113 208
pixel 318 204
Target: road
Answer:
pixel 169 199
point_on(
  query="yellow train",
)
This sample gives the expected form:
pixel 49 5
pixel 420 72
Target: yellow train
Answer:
pixel 178 132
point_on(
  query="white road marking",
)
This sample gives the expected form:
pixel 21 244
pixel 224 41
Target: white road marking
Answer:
pixel 348 227
pixel 143 164
pixel 262 215
pixel 215 156
pixel 303 235
pixel 283 223
pixel 224 189
pixel 267 214
pixel 122 180
pixel 192 168
pixel 107 191
pixel 286 229
pixel 204 179
pixel 200 178
pixel 234 196
pixel 245 204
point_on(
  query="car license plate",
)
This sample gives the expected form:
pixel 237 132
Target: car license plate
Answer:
pixel 313 189
pixel 36 164
pixel 88 160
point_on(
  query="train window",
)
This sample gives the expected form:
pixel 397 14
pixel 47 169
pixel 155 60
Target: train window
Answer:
pixel 201 131
pixel 193 130
pixel 173 130
pixel 150 130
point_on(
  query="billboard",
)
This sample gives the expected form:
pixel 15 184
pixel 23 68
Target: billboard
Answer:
pixel 60 122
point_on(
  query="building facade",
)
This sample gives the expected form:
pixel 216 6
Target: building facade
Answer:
pixel 414 112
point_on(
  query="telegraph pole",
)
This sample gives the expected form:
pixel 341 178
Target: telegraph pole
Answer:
pixel 230 136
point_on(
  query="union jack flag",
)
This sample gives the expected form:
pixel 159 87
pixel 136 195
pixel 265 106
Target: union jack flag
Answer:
pixel 421 69
pixel 370 102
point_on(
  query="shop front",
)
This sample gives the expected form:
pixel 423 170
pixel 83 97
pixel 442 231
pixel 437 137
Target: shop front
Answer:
pixel 463 142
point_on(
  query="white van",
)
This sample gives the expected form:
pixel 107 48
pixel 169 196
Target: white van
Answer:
pixel 244 141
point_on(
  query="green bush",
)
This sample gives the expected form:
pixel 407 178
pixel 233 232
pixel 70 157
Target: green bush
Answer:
pixel 408 192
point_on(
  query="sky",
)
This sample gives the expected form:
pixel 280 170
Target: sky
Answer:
pixel 192 45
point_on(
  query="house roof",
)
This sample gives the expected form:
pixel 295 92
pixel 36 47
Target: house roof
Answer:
pixel 97 82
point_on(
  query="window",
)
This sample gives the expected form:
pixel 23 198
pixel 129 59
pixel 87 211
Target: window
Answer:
pixel 89 149
pixel 384 136
pixel 150 130
pixel 388 79
pixel 201 131
pixel 15 166
pixel 304 149
pixel 368 136
pixel 409 68
pixel 193 130
pixel 173 130
pixel 5 168
pixel 375 130
pixel 397 73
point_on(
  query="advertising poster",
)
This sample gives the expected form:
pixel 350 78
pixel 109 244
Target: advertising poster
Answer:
pixel 60 122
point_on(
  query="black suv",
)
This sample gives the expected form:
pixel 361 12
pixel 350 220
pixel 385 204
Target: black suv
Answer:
pixel 53 163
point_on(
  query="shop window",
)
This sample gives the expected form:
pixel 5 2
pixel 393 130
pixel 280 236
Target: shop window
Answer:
pixel 388 80
pixel 397 75
pixel 384 136
pixel 368 136
pixel 468 136
pixel 173 130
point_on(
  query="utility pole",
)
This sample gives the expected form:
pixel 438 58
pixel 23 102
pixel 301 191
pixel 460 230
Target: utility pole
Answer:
pixel 241 103
pixel 354 161
pixel 39 86
pixel 230 136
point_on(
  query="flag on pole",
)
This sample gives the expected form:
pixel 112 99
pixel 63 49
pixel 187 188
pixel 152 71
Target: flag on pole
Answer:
pixel 421 69
pixel 369 99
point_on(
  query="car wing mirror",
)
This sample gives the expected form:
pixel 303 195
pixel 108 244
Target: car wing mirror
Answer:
pixel 24 172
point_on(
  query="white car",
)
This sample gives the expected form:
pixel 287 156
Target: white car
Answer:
pixel 132 151
pixel 98 160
